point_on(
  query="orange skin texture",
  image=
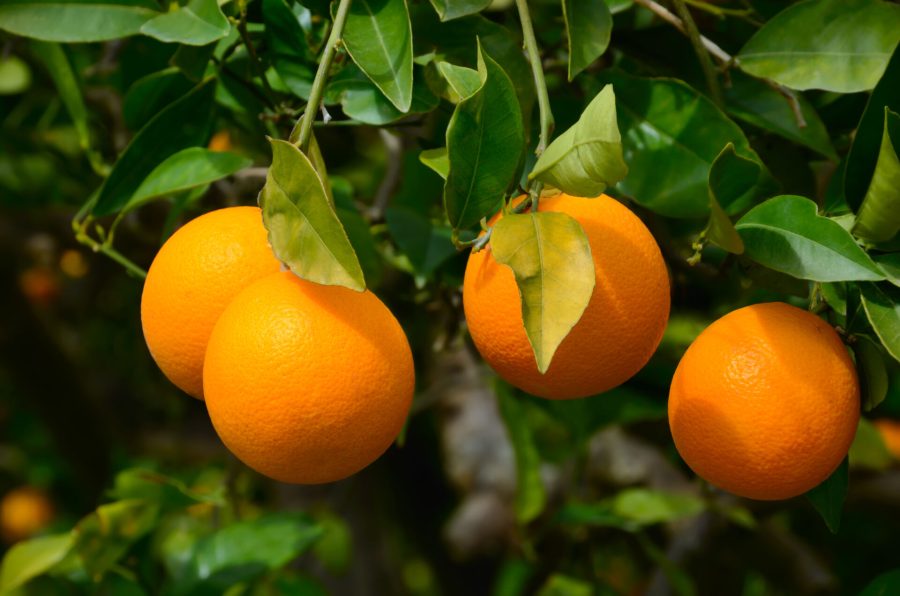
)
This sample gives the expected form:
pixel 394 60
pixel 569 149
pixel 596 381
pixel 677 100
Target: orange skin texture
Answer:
pixel 24 512
pixel 196 273
pixel 307 383
pixel 620 328
pixel 890 434
pixel 765 402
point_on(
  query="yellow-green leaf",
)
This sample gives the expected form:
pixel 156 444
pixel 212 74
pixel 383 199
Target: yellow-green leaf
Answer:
pixel 878 219
pixel 551 259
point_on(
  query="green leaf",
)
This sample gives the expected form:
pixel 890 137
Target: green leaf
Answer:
pixel 531 497
pixel 287 47
pixel 426 245
pixel 436 159
pixel 151 94
pixel 563 585
pixel 246 549
pixel 197 23
pixel 459 82
pixel 757 103
pixel 835 45
pixel 378 37
pixel 304 230
pixel 192 61
pixel 183 123
pixel 361 100
pixel 453 9
pixel 890 264
pixel 885 584
pixel 15 76
pixel 54 59
pixel 167 492
pixel 75 22
pixel 550 257
pixel 586 158
pixel 103 537
pixel 485 140
pixel 732 179
pixel 588 26
pixel 828 498
pixel 863 155
pixel 189 168
pixel 878 219
pixel 646 507
pixel 873 374
pixel 868 449
pixel 31 558
pixel 598 515
pixel 882 306
pixel 786 234
pixel 671 135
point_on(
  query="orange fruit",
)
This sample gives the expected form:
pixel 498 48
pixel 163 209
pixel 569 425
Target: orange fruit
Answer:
pixel 307 383
pixel 196 273
pixel 620 328
pixel 765 402
pixel 39 285
pixel 24 512
pixel 890 434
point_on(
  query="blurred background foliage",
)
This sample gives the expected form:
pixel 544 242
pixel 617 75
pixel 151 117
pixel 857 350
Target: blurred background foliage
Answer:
pixel 122 479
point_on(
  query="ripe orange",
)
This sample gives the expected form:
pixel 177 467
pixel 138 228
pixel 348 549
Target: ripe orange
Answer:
pixel 190 282
pixel 24 512
pixel 890 434
pixel 307 383
pixel 620 328
pixel 765 402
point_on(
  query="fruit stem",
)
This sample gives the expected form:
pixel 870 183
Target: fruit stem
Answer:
pixel 709 71
pixel 540 85
pixel 305 123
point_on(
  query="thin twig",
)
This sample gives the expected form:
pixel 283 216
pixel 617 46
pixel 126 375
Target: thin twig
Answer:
pixel 394 148
pixel 305 123
pixel 709 71
pixel 792 99
pixel 254 57
pixel 664 13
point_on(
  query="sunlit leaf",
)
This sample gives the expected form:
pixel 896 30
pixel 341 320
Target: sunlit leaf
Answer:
pixel 788 235
pixel 550 257
pixel 76 22
pixel 460 82
pixel 878 219
pixel 882 305
pixel 453 9
pixel 304 230
pixel 586 158
pixel 103 537
pixel 197 23
pixel 836 45
pixel 29 559
pixel 436 159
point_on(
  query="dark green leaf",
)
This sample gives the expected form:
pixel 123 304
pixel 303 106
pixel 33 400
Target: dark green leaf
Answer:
pixel 828 498
pixel 193 60
pixel 836 45
pixel 485 140
pixel 453 9
pixel 358 231
pixel 530 494
pixel 74 22
pixel 304 230
pixel 586 158
pixel 599 515
pixel 878 219
pixel 671 136
pixel 890 264
pixel 882 305
pixel 288 48
pixel 860 162
pixel 167 492
pixel 31 558
pixel 588 25
pixel 184 123
pixel 732 179
pixel 868 449
pixel 197 23
pixel 189 168
pixel 563 585
pixel 426 245
pixel 103 537
pixel 757 103
pixel 550 257
pixel 873 374
pixel 150 94
pixel 246 549
pixel 378 36
pixel 885 584
pixel 788 235
pixel 361 100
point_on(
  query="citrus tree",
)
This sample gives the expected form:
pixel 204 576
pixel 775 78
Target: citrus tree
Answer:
pixel 611 285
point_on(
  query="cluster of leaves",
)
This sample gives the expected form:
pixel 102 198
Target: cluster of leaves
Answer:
pixel 781 167
pixel 186 539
